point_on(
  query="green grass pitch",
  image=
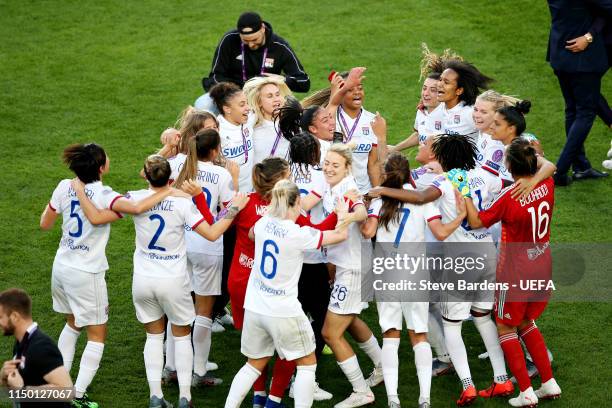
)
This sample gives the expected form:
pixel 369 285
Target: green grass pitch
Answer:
pixel 118 73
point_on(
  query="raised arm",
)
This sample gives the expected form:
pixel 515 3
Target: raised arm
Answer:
pixel 410 141
pixel 374 166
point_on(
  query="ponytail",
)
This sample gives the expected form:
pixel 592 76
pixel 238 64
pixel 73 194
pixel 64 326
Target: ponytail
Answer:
pixel 397 173
pixel 199 149
pixel 284 196
pixel 267 173
pixel 515 115
pixel 85 161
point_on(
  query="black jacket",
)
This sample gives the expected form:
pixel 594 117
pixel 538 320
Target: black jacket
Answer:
pixel 227 62
pixel 571 19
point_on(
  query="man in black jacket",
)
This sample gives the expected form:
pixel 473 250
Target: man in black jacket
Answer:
pixel 579 75
pixel 251 50
pixel 37 363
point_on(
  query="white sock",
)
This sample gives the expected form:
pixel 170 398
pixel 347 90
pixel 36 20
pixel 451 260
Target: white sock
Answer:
pixel 422 361
pixel 390 367
pixel 154 362
pixel 372 349
pixel 242 383
pixel 170 365
pixel 273 397
pixel 457 352
pixel 489 335
pixel 90 361
pixel 435 337
pixel 183 354
pixel 201 343
pixel 303 387
pixel 67 345
pixel 352 371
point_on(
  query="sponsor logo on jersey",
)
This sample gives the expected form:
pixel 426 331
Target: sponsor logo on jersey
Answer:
pixel 261 210
pixel 497 155
pixel 363 148
pixel 438 124
pixel 236 151
pixel 457 119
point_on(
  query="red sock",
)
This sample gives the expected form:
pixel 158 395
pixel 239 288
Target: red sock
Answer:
pixel 281 376
pixel 516 359
pixel 532 337
pixel 260 382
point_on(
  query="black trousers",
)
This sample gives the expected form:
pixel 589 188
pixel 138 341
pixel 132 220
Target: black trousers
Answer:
pixel 313 294
pixel 581 91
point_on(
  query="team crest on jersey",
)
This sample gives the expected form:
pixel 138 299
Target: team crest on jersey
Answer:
pixel 365 130
pixel 269 63
pixel 245 132
pixel 457 119
pixel 438 124
pixel 497 155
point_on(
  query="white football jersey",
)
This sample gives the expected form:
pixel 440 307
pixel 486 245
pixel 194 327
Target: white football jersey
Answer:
pixel 347 253
pixel 491 156
pixel 458 121
pixel 268 143
pixel 279 252
pixel 82 245
pixel 176 165
pixel 448 206
pixel 160 236
pixel 324 145
pixel 362 135
pixel 311 180
pixel 484 187
pixel 237 146
pixel 217 187
pixel 423 177
pixel 428 123
pixel 411 224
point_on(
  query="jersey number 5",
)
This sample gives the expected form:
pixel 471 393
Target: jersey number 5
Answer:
pixel 74 204
pixel 267 254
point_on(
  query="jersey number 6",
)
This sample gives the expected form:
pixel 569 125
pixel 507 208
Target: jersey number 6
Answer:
pixel 267 254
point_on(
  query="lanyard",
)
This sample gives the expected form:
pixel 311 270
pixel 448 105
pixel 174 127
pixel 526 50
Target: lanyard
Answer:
pixel 263 62
pixel 349 134
pixel 245 145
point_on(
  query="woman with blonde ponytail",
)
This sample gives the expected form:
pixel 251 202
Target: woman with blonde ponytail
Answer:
pixel 274 319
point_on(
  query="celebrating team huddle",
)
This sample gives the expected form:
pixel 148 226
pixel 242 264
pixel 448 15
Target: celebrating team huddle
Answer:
pixel 278 206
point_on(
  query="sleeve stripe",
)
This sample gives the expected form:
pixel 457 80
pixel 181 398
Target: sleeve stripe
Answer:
pixel 110 207
pixel 435 217
pixel 490 170
pixel 374 144
pixel 353 205
pixel 372 216
pixel 218 54
pixel 118 214
pixel 320 239
pixel 51 207
pixel 315 193
pixel 297 64
pixel 194 226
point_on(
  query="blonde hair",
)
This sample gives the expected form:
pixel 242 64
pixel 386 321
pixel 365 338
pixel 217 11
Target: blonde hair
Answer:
pixel 319 98
pixel 497 99
pixel 189 123
pixel 344 150
pixel 252 90
pixel 432 62
pixel 285 195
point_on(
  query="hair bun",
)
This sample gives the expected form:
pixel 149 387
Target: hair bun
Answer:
pixel 523 106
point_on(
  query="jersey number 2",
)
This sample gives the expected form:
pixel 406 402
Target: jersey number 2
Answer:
pixel 162 224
